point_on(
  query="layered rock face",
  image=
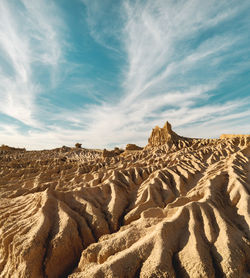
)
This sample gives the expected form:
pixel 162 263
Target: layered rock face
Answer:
pixel 167 137
pixel 178 208
pixel 161 136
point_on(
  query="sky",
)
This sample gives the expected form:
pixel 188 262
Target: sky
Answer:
pixel 105 72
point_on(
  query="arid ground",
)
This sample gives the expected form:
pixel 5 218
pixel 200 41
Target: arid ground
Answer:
pixel 179 207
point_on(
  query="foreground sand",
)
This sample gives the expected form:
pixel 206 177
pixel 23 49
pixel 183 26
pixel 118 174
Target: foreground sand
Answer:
pixel 178 208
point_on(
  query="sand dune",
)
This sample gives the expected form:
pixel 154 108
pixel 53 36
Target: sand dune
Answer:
pixel 180 207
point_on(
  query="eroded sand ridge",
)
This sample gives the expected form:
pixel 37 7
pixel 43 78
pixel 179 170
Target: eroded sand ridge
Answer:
pixel 180 207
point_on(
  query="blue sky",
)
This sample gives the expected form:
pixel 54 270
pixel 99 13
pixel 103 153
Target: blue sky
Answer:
pixel 104 73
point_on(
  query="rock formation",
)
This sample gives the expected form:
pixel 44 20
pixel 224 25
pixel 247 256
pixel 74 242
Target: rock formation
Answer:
pixel 178 208
pixel 132 147
pixel 167 137
pixel 112 153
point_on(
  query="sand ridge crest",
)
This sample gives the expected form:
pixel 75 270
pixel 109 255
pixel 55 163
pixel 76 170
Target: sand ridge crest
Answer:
pixel 179 207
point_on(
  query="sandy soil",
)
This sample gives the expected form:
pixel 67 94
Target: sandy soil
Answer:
pixel 180 207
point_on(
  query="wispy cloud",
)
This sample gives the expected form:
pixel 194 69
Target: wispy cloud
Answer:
pixel 29 39
pixel 181 58
pixel 175 61
pixel 104 19
pixel 158 41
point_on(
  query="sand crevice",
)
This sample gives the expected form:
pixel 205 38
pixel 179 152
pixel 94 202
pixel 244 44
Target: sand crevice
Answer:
pixel 179 207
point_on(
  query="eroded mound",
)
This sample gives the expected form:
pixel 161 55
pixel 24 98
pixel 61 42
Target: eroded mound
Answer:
pixel 178 208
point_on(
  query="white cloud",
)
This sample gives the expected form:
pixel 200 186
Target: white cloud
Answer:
pixel 152 36
pixel 171 72
pixel 29 36
pixel 154 33
pixel 103 28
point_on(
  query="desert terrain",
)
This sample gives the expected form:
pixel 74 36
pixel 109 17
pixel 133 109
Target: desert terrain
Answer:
pixel 179 207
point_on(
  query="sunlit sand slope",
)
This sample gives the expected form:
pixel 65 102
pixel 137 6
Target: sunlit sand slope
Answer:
pixel 180 207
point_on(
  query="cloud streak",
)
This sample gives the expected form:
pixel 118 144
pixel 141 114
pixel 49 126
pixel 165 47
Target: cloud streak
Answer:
pixel 165 50
pixel 29 37
pixel 180 60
